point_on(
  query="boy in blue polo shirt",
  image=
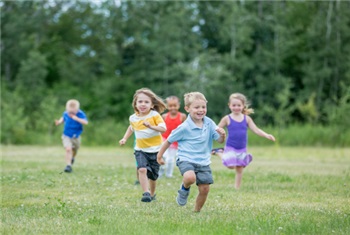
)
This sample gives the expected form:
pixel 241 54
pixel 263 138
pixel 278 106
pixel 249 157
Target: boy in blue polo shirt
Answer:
pixel 195 138
pixel 73 119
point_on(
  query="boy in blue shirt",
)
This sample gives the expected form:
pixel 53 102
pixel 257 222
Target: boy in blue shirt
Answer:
pixel 195 138
pixel 73 119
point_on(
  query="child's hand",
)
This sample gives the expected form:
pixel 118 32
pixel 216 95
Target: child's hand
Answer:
pixel 160 160
pixel 57 122
pixel 122 141
pixel 73 116
pixel 147 124
pixel 270 137
pixel 221 131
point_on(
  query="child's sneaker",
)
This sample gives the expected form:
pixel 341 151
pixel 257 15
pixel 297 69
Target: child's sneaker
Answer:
pixel 68 169
pixel 217 150
pixel 182 196
pixel 73 158
pixel 146 197
pixel 153 198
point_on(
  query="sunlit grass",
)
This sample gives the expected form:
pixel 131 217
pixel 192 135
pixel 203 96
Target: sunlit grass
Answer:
pixel 284 191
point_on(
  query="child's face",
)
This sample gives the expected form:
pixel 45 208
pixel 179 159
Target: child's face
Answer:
pixel 173 106
pixel 143 104
pixel 197 110
pixel 72 111
pixel 236 106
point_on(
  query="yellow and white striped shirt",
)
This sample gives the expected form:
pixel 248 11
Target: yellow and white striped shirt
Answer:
pixel 147 140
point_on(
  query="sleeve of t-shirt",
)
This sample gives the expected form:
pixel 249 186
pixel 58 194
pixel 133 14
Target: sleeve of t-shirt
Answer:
pixel 132 128
pixel 158 120
pixel 82 115
pixel 176 135
pixel 64 116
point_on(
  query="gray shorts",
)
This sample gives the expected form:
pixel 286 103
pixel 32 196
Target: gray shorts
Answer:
pixel 73 143
pixel 148 161
pixel 203 173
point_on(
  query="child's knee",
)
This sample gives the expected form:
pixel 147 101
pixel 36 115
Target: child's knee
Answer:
pixel 69 150
pixel 142 170
pixel 204 189
pixel 190 177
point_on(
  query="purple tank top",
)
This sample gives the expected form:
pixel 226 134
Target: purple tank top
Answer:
pixel 237 134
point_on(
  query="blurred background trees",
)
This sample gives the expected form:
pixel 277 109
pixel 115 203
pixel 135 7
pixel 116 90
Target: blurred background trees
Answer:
pixel 291 59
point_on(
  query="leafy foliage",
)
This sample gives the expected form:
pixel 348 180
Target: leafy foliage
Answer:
pixel 290 58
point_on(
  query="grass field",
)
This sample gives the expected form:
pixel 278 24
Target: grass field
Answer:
pixel 284 191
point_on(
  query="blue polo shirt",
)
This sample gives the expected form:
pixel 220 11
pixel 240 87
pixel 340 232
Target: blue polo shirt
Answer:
pixel 195 143
pixel 73 128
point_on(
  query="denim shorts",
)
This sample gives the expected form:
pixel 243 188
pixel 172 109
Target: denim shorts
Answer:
pixel 203 173
pixel 148 161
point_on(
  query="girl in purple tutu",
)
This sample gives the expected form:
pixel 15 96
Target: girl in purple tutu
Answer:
pixel 234 155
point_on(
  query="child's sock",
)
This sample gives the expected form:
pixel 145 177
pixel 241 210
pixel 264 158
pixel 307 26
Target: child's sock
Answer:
pixel 183 188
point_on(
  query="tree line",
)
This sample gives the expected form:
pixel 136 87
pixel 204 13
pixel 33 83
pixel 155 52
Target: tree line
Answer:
pixel 290 58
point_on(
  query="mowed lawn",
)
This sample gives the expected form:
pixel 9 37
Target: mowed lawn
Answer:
pixel 285 190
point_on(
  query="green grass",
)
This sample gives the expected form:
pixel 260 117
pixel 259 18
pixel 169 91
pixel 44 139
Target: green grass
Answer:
pixel 284 191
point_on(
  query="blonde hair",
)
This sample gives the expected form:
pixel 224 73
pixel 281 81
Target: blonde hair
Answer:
pixel 246 110
pixel 192 96
pixel 157 102
pixel 73 104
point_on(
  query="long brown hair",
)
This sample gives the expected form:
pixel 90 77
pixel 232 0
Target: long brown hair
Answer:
pixel 157 102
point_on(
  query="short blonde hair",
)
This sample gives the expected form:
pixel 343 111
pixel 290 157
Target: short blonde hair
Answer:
pixel 192 96
pixel 157 102
pixel 72 105
pixel 246 110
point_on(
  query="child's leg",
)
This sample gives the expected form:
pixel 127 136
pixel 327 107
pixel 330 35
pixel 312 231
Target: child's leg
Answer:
pixel 152 187
pixel 239 175
pixel 202 196
pixel 170 162
pixel 170 166
pixel 69 155
pixel 143 179
pixel 189 178
pixel 161 170
pixel 220 154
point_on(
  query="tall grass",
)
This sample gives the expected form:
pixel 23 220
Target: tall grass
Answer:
pixel 285 191
pixel 109 132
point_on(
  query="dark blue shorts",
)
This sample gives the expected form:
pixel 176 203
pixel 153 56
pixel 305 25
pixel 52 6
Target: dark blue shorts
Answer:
pixel 148 161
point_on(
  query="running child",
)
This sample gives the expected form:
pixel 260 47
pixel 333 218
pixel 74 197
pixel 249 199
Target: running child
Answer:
pixel 147 124
pixel 73 119
pixel 234 155
pixel 195 138
pixel 172 119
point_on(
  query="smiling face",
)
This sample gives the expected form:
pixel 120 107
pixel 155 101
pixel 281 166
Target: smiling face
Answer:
pixel 143 104
pixel 173 106
pixel 236 106
pixel 197 109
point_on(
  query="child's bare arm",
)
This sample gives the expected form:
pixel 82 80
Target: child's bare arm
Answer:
pixel 80 120
pixel 258 131
pixel 156 128
pixel 59 121
pixel 127 134
pixel 161 152
pixel 223 122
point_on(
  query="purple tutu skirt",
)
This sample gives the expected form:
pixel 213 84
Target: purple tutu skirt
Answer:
pixel 232 157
